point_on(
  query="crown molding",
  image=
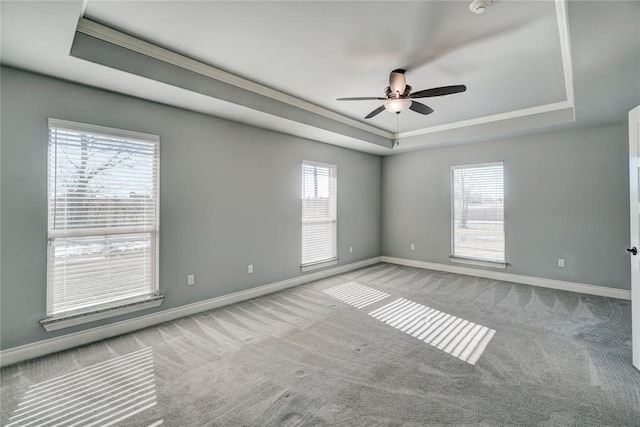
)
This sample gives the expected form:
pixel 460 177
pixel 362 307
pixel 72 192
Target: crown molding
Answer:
pixel 567 67
pixel 132 43
pixel 547 108
pixel 126 41
pixel 565 49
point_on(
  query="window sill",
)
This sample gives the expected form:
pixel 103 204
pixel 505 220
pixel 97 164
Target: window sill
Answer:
pixel 68 320
pixel 317 265
pixel 481 263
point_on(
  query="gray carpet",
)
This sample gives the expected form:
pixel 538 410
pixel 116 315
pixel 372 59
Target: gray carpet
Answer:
pixel 383 345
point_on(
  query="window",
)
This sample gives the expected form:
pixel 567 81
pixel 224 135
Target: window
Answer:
pixel 103 219
pixel 477 193
pixel 319 219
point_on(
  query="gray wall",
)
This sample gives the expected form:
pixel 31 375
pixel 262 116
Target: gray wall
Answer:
pixel 566 196
pixel 229 196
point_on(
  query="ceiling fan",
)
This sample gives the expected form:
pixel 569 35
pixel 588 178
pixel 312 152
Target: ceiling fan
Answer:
pixel 398 96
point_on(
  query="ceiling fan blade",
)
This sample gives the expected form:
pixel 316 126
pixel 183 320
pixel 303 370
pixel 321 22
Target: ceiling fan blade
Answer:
pixel 438 91
pixel 375 112
pixel 361 98
pixel 420 108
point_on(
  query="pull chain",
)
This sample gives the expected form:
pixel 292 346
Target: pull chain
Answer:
pixel 397 128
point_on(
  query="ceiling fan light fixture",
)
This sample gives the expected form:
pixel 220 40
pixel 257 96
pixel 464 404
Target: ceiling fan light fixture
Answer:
pixel 397 105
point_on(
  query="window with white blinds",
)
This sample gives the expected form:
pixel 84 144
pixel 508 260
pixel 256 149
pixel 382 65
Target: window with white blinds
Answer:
pixel 478 212
pixel 319 215
pixel 103 217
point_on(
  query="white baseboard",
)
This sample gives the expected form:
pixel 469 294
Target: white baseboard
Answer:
pixel 64 342
pixel 516 278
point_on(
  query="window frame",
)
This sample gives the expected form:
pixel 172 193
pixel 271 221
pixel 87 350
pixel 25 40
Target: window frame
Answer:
pixel 333 259
pixel 108 308
pixel 483 262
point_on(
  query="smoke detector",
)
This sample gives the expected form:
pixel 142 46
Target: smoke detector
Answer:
pixel 479 6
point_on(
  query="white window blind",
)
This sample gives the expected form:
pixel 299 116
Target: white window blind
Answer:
pixel 478 212
pixel 319 214
pixel 103 217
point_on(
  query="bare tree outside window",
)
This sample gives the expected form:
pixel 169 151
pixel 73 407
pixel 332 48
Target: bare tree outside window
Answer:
pixel 464 185
pixel 93 186
pixel 103 201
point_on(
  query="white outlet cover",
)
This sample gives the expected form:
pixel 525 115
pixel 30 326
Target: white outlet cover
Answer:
pixel 560 262
pixel 191 279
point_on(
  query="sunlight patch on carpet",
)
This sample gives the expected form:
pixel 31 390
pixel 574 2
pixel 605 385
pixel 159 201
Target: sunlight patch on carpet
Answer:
pixel 356 294
pixel 460 338
pixel 103 394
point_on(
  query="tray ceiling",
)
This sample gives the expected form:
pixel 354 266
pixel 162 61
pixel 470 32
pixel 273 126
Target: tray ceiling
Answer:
pixel 281 65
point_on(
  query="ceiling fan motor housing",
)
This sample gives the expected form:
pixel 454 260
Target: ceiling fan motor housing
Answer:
pixel 397 82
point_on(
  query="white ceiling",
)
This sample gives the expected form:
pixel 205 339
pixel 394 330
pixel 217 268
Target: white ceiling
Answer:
pixel 522 61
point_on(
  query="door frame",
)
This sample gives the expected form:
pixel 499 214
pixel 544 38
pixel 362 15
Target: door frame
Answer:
pixel 634 230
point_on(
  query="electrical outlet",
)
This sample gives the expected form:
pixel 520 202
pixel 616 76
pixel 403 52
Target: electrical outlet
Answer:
pixel 191 279
pixel 413 247
pixel 250 269
pixel 561 262
pixel 350 249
